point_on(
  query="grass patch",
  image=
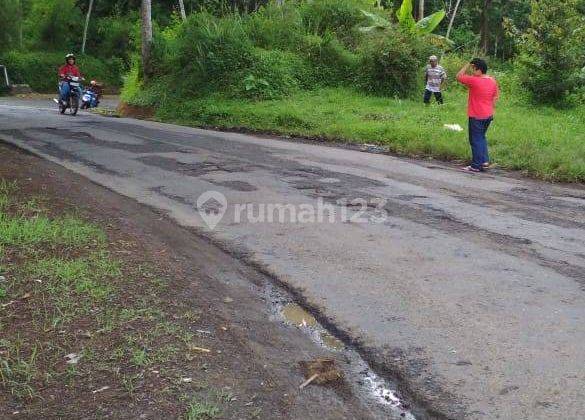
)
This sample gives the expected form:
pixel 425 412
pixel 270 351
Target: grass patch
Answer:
pixel 201 411
pixel 544 142
pixel 61 293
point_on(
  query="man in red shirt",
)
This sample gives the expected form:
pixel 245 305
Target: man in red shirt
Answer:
pixel 483 94
pixel 68 70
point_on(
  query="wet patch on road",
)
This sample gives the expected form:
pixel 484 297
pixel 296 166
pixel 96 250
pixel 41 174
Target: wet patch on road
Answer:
pixel 359 376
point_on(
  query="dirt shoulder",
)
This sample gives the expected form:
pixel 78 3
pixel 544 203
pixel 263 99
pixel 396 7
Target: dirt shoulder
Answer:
pixel 166 326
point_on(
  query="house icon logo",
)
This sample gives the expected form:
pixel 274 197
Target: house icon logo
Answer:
pixel 211 206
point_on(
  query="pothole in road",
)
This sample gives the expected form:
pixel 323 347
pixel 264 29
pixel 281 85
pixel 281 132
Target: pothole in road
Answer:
pixel 364 382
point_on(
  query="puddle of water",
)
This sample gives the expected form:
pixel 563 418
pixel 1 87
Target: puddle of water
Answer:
pixel 331 342
pixel 363 379
pixel 296 315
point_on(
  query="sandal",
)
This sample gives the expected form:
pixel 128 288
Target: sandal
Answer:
pixel 471 169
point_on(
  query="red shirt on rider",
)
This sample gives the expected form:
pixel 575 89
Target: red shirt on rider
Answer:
pixel 69 70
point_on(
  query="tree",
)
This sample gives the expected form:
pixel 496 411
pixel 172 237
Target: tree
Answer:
pixel 182 8
pixel 452 18
pixel 54 25
pixel 87 17
pixel 10 24
pixel 484 26
pixel 551 53
pixel 146 32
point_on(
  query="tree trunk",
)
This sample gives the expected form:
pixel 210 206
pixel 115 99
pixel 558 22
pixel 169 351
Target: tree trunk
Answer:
pixel 453 14
pixel 20 24
pixel 87 17
pixel 146 39
pixel 182 7
pixel 421 9
pixel 484 28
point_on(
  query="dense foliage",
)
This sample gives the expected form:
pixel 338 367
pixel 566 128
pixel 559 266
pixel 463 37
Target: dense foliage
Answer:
pixel 281 49
pixel 307 43
pixel 553 51
pixel 39 70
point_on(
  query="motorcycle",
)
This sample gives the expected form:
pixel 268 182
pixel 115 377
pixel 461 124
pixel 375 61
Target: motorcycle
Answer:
pixel 89 99
pixel 72 101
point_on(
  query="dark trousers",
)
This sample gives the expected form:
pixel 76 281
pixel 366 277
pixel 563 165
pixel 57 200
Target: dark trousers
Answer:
pixel 478 141
pixel 428 94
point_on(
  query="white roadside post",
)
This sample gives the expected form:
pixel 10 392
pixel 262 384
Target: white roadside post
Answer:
pixel 5 75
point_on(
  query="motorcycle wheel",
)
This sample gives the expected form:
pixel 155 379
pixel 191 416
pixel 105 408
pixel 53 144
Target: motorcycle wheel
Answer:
pixel 62 107
pixel 74 105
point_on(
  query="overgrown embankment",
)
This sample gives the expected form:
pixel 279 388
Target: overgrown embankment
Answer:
pixel 310 70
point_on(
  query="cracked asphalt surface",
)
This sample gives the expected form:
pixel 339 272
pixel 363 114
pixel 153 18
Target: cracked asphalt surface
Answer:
pixel 471 292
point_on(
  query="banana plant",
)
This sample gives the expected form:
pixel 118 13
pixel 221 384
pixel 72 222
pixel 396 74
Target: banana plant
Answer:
pixel 424 26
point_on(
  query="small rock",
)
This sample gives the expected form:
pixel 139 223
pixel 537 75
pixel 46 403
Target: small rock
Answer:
pixel 187 380
pixel 228 299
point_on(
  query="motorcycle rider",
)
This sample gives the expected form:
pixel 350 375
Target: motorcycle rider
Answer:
pixel 66 71
pixel 96 88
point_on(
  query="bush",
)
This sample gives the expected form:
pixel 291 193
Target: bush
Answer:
pixel 39 70
pixel 276 27
pixel 54 25
pixel 10 21
pixel 391 63
pixel 113 37
pixel 337 16
pixel 279 50
pixel 274 74
pixel 212 52
pixel 333 64
pixel 551 51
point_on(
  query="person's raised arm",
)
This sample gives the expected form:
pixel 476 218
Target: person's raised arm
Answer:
pixel 463 71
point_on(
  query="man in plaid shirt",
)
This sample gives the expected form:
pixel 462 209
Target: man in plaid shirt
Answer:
pixel 435 77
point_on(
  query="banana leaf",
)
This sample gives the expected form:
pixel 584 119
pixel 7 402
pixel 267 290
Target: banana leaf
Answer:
pixel 430 23
pixel 378 22
pixel 404 15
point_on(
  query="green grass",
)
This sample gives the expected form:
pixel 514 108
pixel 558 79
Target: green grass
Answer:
pixel 544 142
pixel 18 367
pixel 63 292
pixel 201 411
pixel 24 231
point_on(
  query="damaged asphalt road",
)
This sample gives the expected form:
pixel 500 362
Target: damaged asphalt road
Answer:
pixel 471 292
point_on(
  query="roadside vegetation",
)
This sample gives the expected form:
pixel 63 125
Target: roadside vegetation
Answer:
pixel 545 142
pixel 81 322
pixel 346 70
